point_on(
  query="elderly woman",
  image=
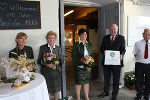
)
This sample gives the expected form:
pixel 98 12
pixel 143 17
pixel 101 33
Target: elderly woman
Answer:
pixel 52 76
pixel 21 48
pixel 81 49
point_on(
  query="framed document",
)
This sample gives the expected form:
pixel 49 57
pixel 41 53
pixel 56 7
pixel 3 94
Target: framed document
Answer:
pixel 112 57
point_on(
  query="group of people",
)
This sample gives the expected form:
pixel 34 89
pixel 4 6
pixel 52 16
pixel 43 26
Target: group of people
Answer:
pixel 113 42
pixel 83 48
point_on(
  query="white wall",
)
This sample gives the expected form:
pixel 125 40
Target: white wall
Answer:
pixel 131 10
pixel 36 37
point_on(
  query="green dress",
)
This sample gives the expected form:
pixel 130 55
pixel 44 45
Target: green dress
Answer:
pixel 82 76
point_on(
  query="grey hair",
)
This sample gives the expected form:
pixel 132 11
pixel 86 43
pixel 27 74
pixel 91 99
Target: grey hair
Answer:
pixel 146 29
pixel 114 25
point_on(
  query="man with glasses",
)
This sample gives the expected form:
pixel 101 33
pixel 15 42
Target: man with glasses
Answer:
pixel 142 65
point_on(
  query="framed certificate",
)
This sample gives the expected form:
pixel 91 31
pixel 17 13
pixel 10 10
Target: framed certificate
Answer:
pixel 112 57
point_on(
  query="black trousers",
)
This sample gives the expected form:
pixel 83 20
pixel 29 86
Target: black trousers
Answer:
pixel 141 70
pixel 115 70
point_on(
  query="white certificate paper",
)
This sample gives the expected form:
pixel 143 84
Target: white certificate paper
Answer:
pixel 112 57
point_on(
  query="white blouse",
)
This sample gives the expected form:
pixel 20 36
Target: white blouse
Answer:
pixel 51 49
pixel 85 52
pixel 85 49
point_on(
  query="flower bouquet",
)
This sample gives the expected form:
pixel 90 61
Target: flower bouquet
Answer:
pixel 49 58
pixel 88 62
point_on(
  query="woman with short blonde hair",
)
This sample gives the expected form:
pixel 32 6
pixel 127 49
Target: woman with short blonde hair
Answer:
pixel 21 48
pixel 51 72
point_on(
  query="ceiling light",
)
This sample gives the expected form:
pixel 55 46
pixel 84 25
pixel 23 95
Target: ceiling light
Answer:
pixel 71 11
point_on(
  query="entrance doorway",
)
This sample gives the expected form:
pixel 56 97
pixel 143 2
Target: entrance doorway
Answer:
pixel 107 14
pixel 80 17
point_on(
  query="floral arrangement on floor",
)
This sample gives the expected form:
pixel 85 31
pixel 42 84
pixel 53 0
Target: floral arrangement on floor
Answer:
pixel 18 71
pixel 88 62
pixel 49 58
pixel 129 79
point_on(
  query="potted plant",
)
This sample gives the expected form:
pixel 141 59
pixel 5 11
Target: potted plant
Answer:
pixel 129 79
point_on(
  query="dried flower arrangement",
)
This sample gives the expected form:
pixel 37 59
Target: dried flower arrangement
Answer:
pixel 18 71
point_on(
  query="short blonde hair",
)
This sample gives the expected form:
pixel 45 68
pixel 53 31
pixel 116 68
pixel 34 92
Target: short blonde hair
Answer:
pixel 51 33
pixel 20 35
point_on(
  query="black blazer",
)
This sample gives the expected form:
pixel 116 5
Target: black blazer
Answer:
pixel 118 45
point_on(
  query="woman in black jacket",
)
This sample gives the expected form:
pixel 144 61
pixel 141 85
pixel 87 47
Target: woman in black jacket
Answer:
pixel 52 76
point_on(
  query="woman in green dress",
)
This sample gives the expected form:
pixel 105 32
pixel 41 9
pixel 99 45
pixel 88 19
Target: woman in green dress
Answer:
pixel 81 49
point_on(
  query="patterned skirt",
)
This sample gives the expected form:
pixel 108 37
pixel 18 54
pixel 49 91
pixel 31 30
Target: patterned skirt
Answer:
pixel 82 76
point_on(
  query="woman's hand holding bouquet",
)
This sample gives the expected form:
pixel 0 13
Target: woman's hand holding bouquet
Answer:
pixel 88 62
pixel 49 60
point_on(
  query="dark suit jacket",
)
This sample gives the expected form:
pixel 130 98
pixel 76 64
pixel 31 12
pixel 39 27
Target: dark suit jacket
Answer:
pixel 78 52
pixel 45 49
pixel 27 49
pixel 118 45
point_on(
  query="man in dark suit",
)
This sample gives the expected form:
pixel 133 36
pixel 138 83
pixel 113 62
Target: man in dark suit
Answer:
pixel 114 42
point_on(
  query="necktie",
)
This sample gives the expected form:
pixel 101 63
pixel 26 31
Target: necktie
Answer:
pixel 146 50
pixel 112 40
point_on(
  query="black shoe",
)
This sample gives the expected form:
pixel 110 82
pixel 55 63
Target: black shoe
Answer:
pixel 136 98
pixel 146 98
pixel 104 94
